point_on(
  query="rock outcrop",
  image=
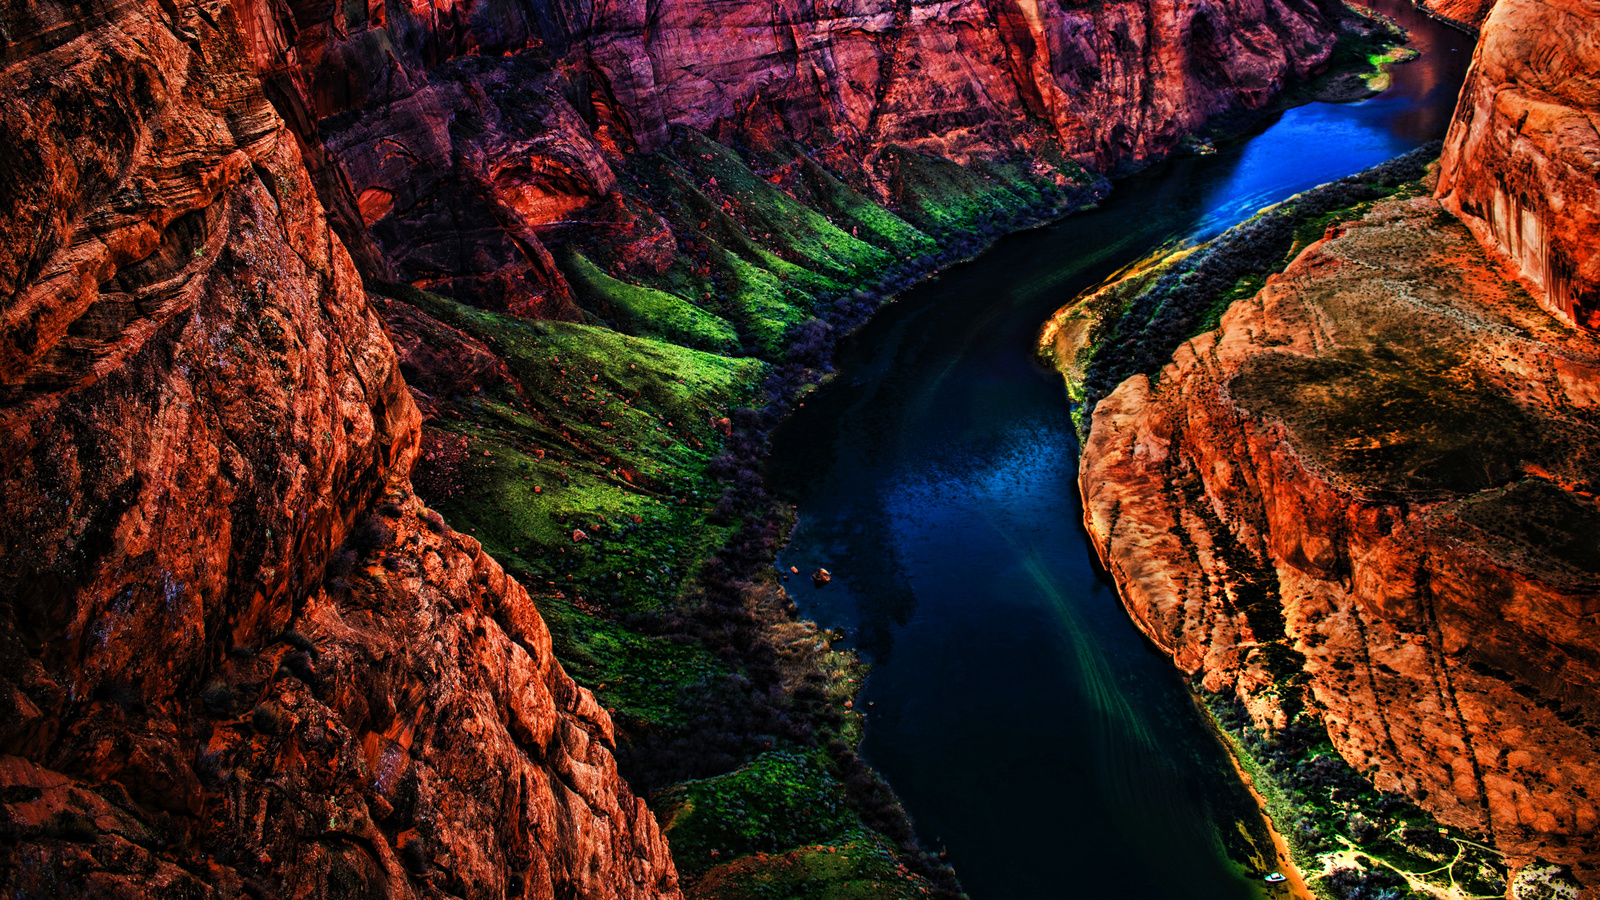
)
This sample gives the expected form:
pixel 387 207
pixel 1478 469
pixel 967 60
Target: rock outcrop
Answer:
pixel 1522 160
pixel 1468 15
pixel 470 139
pixel 213 681
pixel 1372 494
pixel 237 655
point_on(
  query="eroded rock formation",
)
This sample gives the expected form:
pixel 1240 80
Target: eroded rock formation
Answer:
pixel 198 403
pixel 1468 15
pixel 236 654
pixel 1522 161
pixel 470 139
pixel 1372 492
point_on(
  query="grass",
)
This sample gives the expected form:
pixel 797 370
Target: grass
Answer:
pixel 776 802
pixel 613 468
pixel 1343 834
pixel 642 679
pixel 942 198
pixel 855 213
pixel 605 434
pixel 648 311
pixel 765 305
pixel 790 230
pixel 860 867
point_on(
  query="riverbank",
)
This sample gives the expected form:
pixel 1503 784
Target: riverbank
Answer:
pixel 1295 508
pixel 1295 884
pixel 611 464
pixel 1342 836
pixel 1132 323
pixel 615 474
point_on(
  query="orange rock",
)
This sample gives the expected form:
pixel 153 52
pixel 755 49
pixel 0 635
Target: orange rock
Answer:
pixel 207 689
pixel 1356 467
pixel 501 154
pixel 1521 164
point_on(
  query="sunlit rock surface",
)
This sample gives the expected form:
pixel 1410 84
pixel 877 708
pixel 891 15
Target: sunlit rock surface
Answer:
pixel 1467 14
pixel 1522 161
pixel 198 404
pixel 470 139
pixel 1375 485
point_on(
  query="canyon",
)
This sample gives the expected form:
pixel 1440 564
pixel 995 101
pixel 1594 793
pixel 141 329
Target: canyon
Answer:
pixel 1364 503
pixel 385 389
pixel 457 146
pixel 266 261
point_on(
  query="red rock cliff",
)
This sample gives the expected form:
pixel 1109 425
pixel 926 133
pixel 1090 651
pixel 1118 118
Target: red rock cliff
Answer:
pixel 1522 161
pixel 1468 15
pixel 198 404
pixel 472 136
pixel 1378 481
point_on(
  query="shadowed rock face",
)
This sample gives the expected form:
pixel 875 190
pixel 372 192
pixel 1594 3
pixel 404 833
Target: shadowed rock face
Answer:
pixel 1522 160
pixel 469 137
pixel 1372 492
pixel 198 403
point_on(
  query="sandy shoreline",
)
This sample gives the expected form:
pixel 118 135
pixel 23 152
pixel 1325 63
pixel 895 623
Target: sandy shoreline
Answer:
pixel 1296 886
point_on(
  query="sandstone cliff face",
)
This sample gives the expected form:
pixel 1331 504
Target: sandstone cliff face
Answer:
pixel 472 137
pixel 198 403
pixel 1522 160
pixel 1468 15
pixel 1372 492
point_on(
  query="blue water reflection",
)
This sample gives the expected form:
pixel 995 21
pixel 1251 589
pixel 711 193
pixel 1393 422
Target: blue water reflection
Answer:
pixel 1021 717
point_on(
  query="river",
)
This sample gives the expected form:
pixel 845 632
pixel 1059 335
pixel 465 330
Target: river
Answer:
pixel 1023 720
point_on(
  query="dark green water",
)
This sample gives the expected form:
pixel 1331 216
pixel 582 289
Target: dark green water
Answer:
pixel 1023 720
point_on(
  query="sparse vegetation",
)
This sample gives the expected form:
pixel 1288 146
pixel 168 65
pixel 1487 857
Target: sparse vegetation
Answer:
pixel 614 468
pixel 1352 841
pixel 775 802
pixel 1133 324
pixel 863 866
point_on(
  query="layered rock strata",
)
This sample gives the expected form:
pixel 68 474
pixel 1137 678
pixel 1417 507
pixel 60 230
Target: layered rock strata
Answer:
pixel 198 404
pixel 239 656
pixel 1521 164
pixel 471 140
pixel 1372 494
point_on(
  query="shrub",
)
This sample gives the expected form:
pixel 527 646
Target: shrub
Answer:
pixel 1350 883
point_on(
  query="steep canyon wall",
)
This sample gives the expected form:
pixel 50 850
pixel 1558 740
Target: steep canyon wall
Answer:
pixel 1370 496
pixel 199 407
pixel 470 139
pixel 1522 160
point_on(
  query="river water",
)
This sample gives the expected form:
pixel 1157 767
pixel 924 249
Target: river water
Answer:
pixel 1025 723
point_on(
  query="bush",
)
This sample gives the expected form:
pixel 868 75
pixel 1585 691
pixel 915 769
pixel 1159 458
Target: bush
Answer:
pixel 1142 339
pixel 1365 884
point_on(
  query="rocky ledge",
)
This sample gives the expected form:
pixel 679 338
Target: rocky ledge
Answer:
pixel 1370 498
pixel 236 658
